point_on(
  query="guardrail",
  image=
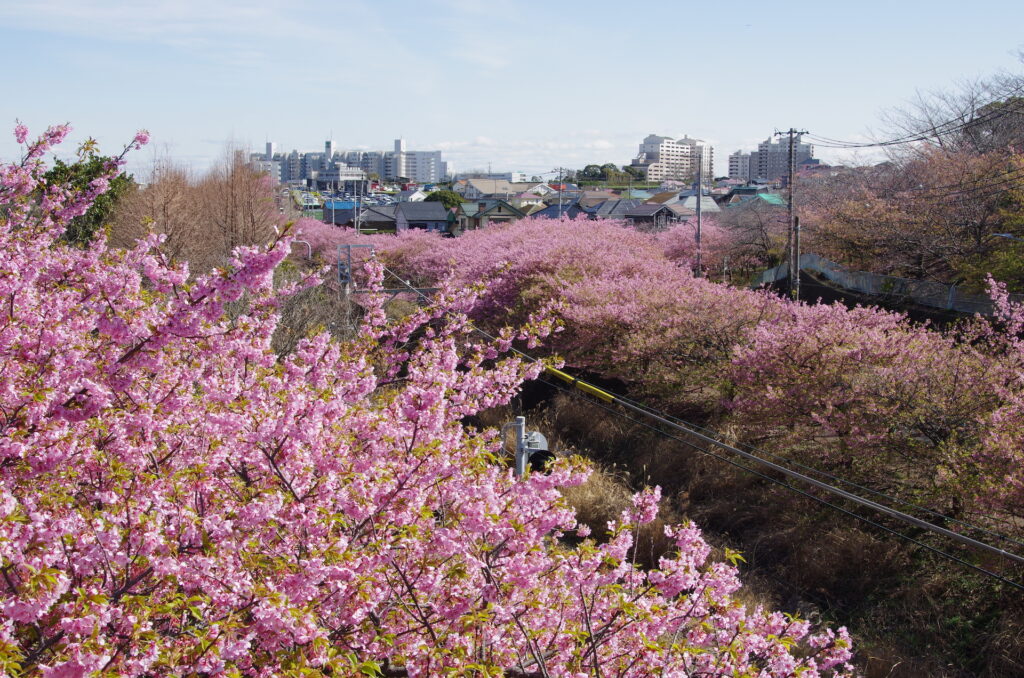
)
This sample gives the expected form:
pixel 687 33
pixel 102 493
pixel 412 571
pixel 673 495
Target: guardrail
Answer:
pixel 903 290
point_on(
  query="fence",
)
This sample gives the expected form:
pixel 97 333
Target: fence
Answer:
pixel 891 288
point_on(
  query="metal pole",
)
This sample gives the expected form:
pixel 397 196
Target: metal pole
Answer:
pixel 559 193
pixel 309 248
pixel 700 191
pixel 521 454
pixel 794 256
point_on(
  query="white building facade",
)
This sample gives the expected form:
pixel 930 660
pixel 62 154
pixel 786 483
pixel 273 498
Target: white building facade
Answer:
pixel 666 158
pixel 425 167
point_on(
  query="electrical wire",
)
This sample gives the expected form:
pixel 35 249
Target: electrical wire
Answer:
pixel 657 416
pixel 947 127
pixel 797 490
pixel 829 476
pixel 996 184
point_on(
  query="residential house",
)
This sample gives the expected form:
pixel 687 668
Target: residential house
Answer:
pixel 339 212
pixel 682 213
pixel 556 211
pixel 612 209
pixel 483 213
pixel 429 216
pixel 412 195
pixel 651 217
pixel 476 189
pixel 526 200
pixel 378 219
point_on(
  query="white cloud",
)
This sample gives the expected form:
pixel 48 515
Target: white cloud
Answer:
pixel 230 32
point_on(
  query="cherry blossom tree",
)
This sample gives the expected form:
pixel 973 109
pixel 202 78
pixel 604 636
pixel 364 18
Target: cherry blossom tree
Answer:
pixel 177 499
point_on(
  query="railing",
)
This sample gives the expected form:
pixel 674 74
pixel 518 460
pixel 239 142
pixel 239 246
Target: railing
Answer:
pixel 904 290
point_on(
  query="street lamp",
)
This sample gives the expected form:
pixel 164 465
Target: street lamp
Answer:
pixel 1008 236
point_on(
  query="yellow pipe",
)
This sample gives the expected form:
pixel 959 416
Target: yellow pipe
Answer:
pixel 581 385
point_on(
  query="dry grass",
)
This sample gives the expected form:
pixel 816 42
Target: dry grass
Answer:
pixel 912 615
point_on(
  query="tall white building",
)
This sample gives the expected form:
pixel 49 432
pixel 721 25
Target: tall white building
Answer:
pixel 667 158
pixel 424 167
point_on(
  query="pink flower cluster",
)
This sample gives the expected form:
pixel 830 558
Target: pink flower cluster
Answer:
pixel 175 499
pixel 862 391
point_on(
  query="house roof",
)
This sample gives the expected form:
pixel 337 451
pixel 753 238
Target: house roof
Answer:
pixel 383 213
pixel 646 210
pixel 501 187
pixel 707 203
pixel 553 212
pixel 422 211
pixel 664 197
pixel 595 198
pixel 637 193
pixel 611 209
pixel 771 198
pixel 530 210
pixel 497 204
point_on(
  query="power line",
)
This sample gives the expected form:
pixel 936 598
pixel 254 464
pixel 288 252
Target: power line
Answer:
pixel 838 479
pixel 651 413
pixel 1013 171
pixel 797 490
pixel 994 186
pixel 947 127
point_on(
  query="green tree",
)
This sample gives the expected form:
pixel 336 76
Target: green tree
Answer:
pixel 609 171
pixel 591 172
pixel 449 199
pixel 635 172
pixel 77 176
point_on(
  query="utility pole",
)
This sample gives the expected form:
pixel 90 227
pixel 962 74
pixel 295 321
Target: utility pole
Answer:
pixel 794 222
pixel 700 196
pixel 358 205
pixel 560 187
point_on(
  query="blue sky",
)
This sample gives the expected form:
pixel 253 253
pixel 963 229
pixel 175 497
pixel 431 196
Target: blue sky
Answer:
pixel 517 84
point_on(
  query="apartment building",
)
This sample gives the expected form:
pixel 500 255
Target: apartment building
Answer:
pixel 739 166
pixel 770 162
pixel 424 167
pixel 666 158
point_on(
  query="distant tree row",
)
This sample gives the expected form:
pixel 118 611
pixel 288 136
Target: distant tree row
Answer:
pixel 610 172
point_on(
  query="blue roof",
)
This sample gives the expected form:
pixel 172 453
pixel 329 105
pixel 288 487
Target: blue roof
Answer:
pixel 339 205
